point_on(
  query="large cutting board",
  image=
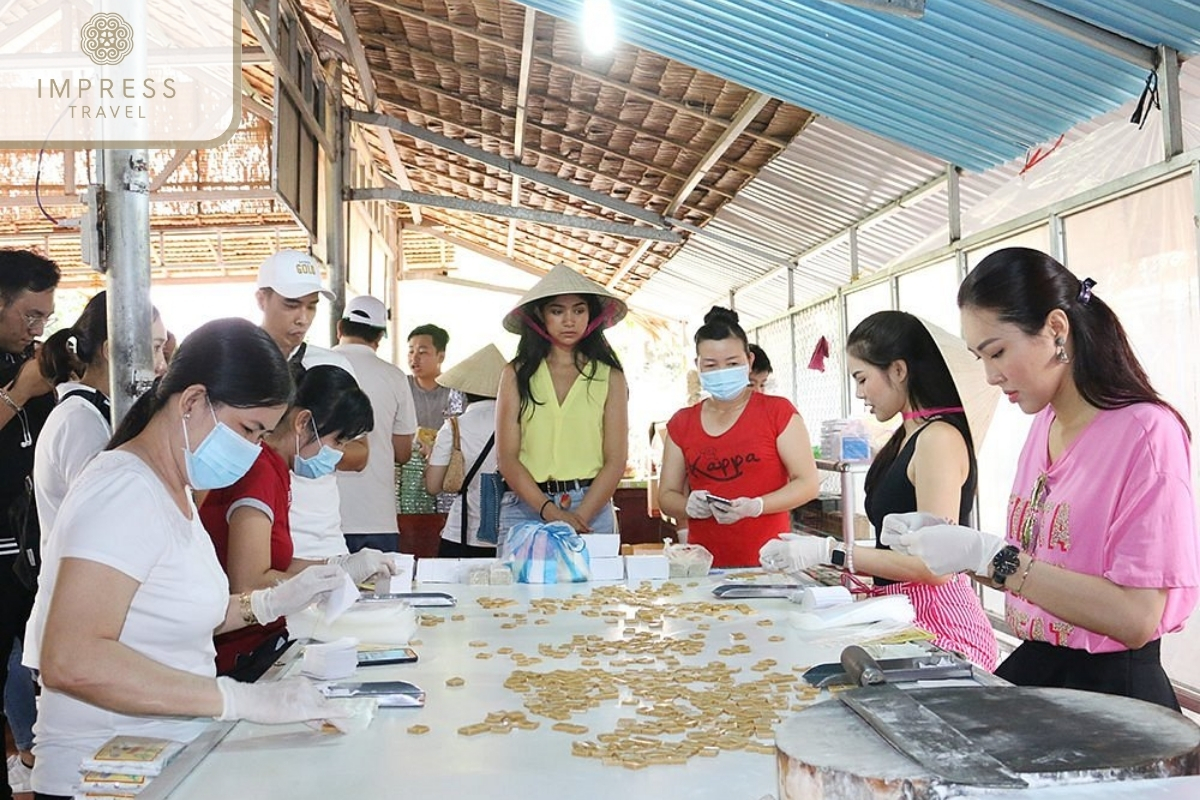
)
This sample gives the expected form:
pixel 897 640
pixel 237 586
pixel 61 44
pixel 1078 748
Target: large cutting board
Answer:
pixel 1048 736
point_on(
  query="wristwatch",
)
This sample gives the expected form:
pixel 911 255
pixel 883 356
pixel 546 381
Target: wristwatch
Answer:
pixel 838 558
pixel 1005 563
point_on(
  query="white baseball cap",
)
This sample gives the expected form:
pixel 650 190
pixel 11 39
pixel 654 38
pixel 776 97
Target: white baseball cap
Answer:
pixel 292 274
pixel 366 310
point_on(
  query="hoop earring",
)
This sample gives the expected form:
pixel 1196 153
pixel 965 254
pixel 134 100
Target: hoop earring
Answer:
pixel 1060 351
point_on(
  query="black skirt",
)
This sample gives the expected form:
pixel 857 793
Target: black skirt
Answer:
pixel 1129 673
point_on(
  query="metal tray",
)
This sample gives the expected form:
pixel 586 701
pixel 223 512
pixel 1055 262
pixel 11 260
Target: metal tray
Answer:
pixel 754 591
pixel 389 694
pixel 418 599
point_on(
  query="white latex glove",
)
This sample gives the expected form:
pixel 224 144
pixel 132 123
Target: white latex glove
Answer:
pixel 363 564
pixel 793 553
pixel 296 593
pixel 740 508
pixel 276 702
pixel 697 505
pixel 896 524
pixel 946 549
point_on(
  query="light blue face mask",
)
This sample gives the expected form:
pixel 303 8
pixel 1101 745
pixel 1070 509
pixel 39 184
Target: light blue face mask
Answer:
pixel 320 465
pixel 724 384
pixel 220 460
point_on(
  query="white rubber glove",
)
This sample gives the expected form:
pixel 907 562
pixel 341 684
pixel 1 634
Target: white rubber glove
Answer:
pixel 697 505
pixel 793 553
pixel 296 593
pixel 276 702
pixel 740 508
pixel 947 549
pixel 363 564
pixel 896 524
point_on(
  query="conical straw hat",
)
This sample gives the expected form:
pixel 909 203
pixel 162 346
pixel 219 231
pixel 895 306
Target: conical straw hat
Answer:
pixel 564 280
pixel 978 397
pixel 478 373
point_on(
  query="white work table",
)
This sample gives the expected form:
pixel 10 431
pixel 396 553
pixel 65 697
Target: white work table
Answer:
pixel 257 761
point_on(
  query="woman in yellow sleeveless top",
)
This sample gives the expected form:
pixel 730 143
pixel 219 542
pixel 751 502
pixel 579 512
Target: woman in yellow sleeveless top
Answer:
pixel 562 412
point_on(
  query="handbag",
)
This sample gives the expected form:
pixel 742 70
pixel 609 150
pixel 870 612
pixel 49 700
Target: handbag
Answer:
pixel 456 469
pixel 489 514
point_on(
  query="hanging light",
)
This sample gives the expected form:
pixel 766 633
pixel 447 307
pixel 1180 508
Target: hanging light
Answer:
pixel 599 26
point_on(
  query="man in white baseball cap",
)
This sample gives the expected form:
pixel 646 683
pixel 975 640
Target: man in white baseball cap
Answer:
pixel 289 289
pixel 369 497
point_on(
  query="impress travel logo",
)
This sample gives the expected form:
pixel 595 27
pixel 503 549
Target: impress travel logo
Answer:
pixel 137 73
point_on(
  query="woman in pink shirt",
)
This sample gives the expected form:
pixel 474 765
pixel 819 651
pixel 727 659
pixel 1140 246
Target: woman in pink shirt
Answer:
pixel 1100 556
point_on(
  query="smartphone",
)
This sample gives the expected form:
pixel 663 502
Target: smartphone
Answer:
pixel 392 655
pixel 712 498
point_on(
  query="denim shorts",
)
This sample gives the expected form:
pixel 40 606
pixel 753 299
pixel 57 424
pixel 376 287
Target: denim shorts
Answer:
pixel 514 511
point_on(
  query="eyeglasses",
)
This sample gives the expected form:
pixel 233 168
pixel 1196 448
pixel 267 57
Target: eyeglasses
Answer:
pixel 1031 525
pixel 38 320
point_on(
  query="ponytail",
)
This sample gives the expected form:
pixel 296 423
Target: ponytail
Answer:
pixel 138 416
pixel 56 360
pixel 67 353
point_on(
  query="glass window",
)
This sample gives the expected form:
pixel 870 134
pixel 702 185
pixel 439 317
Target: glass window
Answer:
pixel 930 293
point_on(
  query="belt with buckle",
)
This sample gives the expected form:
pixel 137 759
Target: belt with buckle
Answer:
pixel 559 487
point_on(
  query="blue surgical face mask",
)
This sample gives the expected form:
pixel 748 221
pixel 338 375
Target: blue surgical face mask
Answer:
pixel 320 465
pixel 220 460
pixel 725 384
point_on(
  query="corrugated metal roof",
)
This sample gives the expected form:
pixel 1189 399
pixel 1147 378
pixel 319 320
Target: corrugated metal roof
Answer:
pixel 829 178
pixel 833 176
pixel 968 82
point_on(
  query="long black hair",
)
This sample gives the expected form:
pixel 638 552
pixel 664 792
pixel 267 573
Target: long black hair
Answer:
pixel 236 361
pixel 721 323
pixel 59 361
pixel 1022 286
pixel 335 401
pixel 889 336
pixel 534 347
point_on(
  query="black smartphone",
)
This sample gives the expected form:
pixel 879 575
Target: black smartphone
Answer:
pixel 712 498
pixel 392 655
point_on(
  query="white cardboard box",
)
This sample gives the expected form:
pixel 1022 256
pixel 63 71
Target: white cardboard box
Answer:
pixel 440 570
pixel 602 545
pixel 608 569
pixel 647 568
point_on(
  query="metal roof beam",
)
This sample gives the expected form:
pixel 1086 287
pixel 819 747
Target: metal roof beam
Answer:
pixel 737 126
pixel 1081 31
pixel 529 214
pixel 450 238
pixel 527 37
pixel 358 56
pixel 461 69
pixel 457 98
pixel 507 165
pixel 600 78
pixel 168 170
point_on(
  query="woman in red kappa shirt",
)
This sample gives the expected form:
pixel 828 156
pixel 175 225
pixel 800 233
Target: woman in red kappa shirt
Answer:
pixel 736 463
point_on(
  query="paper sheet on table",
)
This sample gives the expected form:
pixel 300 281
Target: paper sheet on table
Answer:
pixel 361 710
pixel 340 599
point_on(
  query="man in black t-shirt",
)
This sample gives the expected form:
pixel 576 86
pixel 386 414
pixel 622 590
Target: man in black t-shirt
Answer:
pixel 27 284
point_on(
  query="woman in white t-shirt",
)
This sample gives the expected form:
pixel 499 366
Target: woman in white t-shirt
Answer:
pixel 131 591
pixel 76 359
pixel 478 379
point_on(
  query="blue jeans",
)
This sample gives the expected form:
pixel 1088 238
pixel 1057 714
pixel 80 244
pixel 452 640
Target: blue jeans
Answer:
pixel 514 511
pixel 383 542
pixel 20 705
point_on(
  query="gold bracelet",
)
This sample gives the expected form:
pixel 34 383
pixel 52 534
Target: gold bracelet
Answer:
pixel 1024 577
pixel 247 609
pixel 8 401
